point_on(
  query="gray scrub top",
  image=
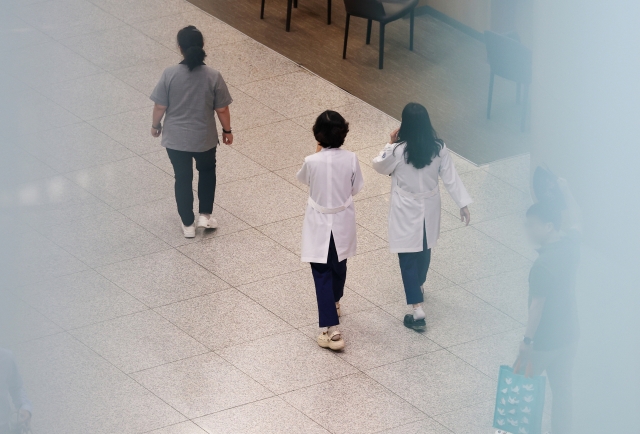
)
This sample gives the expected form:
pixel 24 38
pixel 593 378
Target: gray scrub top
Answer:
pixel 191 98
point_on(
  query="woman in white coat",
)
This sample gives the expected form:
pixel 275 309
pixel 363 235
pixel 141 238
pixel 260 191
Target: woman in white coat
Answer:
pixel 329 229
pixel 415 158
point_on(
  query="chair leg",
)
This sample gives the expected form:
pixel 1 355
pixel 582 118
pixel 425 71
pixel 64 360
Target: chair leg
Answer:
pixel 346 37
pixel 491 77
pixel 381 56
pixel 262 10
pixel 525 106
pixel 413 16
pixel 289 4
pixel 517 93
pixel 329 12
pixel 369 22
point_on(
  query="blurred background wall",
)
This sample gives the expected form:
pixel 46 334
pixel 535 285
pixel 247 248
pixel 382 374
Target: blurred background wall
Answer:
pixel 585 110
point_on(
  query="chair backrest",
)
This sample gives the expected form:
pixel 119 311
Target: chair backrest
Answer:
pixel 370 9
pixel 508 58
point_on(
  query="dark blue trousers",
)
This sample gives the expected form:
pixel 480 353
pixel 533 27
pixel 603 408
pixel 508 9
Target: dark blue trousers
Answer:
pixel 329 279
pixel 414 268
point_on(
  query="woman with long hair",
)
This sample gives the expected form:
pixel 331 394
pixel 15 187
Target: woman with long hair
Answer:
pixel 189 96
pixel 415 157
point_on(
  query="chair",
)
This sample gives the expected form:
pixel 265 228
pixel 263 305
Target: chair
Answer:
pixel 509 59
pixel 294 3
pixel 381 11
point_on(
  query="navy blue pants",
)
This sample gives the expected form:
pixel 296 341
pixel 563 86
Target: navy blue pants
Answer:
pixel 329 279
pixel 414 268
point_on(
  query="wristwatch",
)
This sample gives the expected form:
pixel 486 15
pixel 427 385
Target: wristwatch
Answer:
pixel 527 340
pixel 157 128
pixel 226 132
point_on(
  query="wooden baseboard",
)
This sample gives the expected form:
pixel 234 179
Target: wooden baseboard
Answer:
pixel 425 9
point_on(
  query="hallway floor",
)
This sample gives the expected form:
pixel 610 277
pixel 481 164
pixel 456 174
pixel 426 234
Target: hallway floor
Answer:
pixel 121 325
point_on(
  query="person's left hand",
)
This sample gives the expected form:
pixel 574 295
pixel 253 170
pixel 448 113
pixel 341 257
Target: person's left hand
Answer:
pixel 465 215
pixel 155 133
pixel 524 359
pixel 227 139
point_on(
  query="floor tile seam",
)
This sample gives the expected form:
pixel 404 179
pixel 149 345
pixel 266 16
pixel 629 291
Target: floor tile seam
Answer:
pixel 277 109
pixel 490 335
pixel 472 225
pixel 520 255
pixel 480 299
pixel 193 420
pixel 506 181
pixel 55 83
pixel 509 315
pixel 92 166
pixel 94 267
pixel 219 354
pixel 98 4
pixel 128 376
pixel 442 427
pixel 21 149
pixel 87 34
pixel 169 362
pixel 33 339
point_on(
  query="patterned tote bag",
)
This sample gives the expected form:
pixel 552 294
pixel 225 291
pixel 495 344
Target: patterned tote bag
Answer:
pixel 519 403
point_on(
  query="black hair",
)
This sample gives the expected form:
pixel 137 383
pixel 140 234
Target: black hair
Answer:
pixel 546 212
pixel 191 43
pixel 330 129
pixel 422 142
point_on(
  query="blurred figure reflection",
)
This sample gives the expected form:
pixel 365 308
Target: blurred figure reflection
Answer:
pixel 12 396
pixel 549 344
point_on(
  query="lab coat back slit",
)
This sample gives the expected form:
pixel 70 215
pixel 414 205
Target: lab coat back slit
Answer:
pixel 333 177
pixel 415 196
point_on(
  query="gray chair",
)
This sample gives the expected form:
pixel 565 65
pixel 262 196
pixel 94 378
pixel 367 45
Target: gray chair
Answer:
pixel 294 3
pixel 509 59
pixel 382 11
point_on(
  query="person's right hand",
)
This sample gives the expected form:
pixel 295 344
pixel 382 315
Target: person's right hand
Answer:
pixel 227 139
pixel 24 416
pixel 394 136
pixel 465 215
pixel 154 132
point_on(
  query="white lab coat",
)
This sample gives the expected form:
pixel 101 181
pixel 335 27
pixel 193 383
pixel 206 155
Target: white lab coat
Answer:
pixel 415 196
pixel 334 177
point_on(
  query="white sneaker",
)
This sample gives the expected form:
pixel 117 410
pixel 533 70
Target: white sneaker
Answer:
pixel 189 231
pixel 207 223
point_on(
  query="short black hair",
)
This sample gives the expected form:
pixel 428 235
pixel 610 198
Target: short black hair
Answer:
pixel 330 129
pixel 546 212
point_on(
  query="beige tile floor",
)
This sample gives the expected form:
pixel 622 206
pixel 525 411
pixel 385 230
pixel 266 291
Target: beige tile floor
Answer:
pixel 120 325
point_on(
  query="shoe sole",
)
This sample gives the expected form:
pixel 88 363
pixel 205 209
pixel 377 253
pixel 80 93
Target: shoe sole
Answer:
pixel 418 328
pixel 332 345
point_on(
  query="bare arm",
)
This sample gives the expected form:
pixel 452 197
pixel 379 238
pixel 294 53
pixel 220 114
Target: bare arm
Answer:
pixel 158 114
pixel 526 348
pixel 224 115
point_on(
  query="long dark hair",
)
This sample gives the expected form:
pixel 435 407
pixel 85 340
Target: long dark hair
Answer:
pixel 191 43
pixel 423 144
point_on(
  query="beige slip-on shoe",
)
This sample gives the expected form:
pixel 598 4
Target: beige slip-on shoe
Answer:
pixel 333 341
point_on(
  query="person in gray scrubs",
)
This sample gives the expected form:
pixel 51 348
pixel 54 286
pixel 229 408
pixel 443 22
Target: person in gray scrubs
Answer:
pixel 12 392
pixel 188 96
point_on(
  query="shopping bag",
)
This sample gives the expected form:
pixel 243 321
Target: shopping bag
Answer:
pixel 519 403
